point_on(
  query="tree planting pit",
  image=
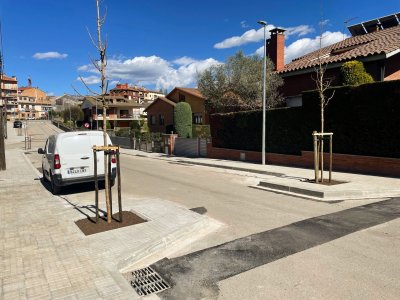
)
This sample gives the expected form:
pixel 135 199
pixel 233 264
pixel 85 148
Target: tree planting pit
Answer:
pixel 326 182
pixel 89 226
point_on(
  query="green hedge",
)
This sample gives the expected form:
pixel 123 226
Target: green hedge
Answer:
pixel 183 119
pixel 365 120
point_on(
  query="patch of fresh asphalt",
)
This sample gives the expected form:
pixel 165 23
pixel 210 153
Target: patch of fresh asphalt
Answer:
pixel 195 276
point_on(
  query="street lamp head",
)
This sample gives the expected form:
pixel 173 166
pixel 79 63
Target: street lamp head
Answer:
pixel 262 23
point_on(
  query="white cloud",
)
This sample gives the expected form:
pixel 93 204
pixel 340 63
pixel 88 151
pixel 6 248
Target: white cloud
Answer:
pixel 90 79
pixel 152 70
pixel 300 30
pixel 252 36
pixel 249 36
pixel 307 45
pixel 185 75
pixel 49 55
pixel 184 61
pixel 243 24
pixel 323 23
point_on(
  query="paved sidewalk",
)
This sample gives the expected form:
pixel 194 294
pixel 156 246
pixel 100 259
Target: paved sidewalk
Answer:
pixel 43 254
pixel 295 181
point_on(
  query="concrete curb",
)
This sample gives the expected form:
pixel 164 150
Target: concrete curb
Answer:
pixel 233 168
pixel 327 196
pixel 169 244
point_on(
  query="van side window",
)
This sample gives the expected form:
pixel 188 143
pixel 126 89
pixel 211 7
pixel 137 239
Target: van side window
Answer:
pixel 45 147
pixel 52 145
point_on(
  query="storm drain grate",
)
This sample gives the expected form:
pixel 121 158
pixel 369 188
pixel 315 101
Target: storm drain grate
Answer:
pixel 147 281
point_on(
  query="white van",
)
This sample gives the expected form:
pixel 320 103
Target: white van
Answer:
pixel 68 159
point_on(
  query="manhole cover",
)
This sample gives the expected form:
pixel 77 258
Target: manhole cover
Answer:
pixel 147 281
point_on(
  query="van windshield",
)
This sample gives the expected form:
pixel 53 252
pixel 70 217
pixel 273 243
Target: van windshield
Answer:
pixel 76 145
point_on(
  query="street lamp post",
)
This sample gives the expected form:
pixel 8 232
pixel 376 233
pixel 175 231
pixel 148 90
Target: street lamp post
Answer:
pixel 264 24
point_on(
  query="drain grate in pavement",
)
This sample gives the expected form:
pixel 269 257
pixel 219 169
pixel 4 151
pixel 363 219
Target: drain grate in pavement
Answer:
pixel 146 281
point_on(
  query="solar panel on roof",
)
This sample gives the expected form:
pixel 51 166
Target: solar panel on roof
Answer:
pixel 375 24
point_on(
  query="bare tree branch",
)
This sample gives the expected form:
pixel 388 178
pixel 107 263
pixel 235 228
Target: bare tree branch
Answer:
pixel 95 63
pixel 329 99
pixel 91 38
pixel 88 88
pixel 76 91
pixel 103 19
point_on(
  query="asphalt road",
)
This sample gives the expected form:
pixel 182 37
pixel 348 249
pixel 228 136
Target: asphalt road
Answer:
pixel 362 263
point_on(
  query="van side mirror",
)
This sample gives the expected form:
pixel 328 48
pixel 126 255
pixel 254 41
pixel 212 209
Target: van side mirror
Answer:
pixel 41 151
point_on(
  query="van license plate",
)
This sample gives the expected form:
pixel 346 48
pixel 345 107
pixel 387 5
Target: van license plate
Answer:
pixel 76 170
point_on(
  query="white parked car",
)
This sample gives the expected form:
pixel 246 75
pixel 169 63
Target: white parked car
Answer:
pixel 68 159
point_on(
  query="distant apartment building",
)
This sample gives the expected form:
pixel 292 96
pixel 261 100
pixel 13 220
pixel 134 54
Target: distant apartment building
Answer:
pixel 153 95
pixel 138 94
pixel 121 112
pixel 65 101
pixel 31 108
pixel 9 93
pixel 32 103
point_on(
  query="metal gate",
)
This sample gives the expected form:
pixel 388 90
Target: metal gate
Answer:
pixel 190 147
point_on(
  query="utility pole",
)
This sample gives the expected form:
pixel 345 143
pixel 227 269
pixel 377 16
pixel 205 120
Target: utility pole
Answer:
pixel 264 24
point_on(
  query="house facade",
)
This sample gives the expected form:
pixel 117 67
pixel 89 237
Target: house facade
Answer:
pixel 65 101
pixel 9 93
pixel 121 112
pixel 150 96
pixel 378 47
pixel 138 94
pixel 31 108
pixel 160 114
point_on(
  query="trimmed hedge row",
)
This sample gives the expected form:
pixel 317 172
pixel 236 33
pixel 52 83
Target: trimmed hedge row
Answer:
pixel 365 120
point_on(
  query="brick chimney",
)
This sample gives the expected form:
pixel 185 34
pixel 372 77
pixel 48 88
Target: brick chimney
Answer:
pixel 276 48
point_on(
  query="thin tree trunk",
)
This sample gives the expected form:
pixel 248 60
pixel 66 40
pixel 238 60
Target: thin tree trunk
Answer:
pixel 322 137
pixel 102 61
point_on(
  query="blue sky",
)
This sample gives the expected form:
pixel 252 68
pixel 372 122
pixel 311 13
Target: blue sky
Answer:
pixel 160 44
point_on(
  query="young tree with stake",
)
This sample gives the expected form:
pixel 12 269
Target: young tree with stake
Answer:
pixel 322 84
pixel 100 65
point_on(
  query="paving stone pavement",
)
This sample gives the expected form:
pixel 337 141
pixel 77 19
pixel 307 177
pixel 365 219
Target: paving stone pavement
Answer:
pixel 43 254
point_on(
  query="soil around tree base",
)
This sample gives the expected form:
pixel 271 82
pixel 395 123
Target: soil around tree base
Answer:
pixel 89 226
pixel 326 182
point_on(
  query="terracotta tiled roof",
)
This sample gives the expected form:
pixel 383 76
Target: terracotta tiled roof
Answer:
pixel 172 103
pixel 375 43
pixel 193 91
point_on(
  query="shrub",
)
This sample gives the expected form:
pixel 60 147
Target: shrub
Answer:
pixel 201 131
pixel 136 128
pixel 183 119
pixel 353 73
pixel 150 136
pixel 70 124
pixel 123 132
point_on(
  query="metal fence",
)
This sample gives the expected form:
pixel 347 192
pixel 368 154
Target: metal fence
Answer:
pixel 137 144
pixel 195 147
